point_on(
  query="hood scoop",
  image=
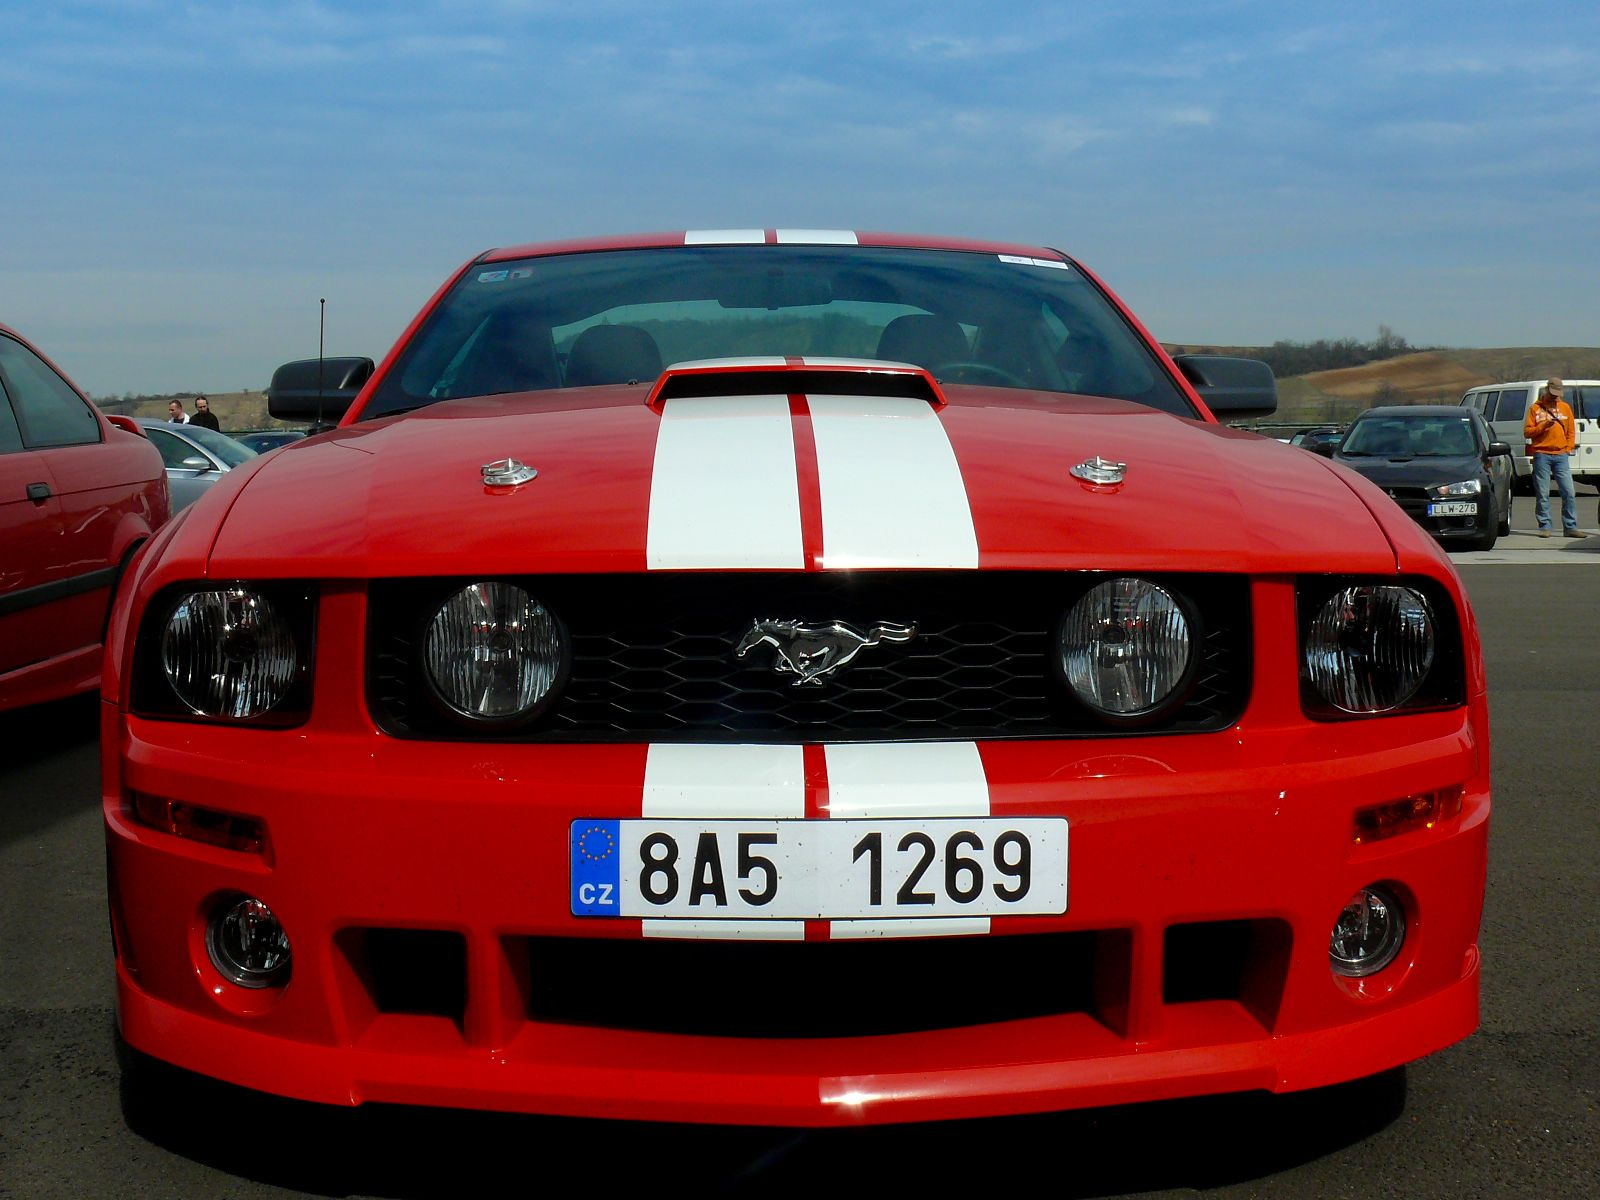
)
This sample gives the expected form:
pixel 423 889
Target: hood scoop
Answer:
pixel 792 376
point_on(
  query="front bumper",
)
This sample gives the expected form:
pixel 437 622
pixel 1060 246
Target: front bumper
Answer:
pixel 1239 841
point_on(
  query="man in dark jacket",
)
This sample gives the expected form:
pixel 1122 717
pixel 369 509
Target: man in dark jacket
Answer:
pixel 203 416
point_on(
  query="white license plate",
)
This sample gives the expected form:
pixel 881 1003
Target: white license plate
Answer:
pixel 819 869
pixel 1453 508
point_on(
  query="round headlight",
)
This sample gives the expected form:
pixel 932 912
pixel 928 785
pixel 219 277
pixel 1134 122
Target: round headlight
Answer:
pixel 229 653
pixel 1369 648
pixel 1126 648
pixel 1368 934
pixel 493 653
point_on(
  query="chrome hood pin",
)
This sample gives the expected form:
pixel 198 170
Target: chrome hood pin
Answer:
pixel 507 472
pixel 1101 471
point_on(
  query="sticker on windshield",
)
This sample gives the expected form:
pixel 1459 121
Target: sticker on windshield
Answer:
pixel 492 276
pixel 1022 261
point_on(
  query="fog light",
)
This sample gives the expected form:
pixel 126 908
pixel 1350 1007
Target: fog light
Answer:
pixel 248 944
pixel 1368 933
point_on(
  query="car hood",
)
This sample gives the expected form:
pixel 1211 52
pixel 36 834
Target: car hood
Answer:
pixel 790 482
pixel 1414 472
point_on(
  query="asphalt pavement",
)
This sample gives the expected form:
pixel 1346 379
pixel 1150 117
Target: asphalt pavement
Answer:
pixel 1514 1111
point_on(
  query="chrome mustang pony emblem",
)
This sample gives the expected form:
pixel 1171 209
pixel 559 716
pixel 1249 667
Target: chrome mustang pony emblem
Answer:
pixel 812 651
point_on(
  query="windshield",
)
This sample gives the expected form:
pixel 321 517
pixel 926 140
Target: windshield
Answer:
pixel 1411 437
pixel 577 320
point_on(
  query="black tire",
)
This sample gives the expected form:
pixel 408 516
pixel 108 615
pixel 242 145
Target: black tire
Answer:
pixel 1490 535
pixel 1505 521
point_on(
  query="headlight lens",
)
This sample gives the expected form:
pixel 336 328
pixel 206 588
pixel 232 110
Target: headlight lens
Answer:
pixel 229 653
pixel 1369 648
pixel 1467 487
pixel 1126 648
pixel 1368 934
pixel 493 653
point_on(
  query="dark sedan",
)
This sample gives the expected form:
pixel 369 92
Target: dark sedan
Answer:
pixel 1441 464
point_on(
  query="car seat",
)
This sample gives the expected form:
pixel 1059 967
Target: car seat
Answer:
pixel 923 339
pixel 613 354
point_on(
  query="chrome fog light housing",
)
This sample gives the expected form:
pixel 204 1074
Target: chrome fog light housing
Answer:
pixel 493 653
pixel 1126 649
pixel 1369 647
pixel 248 945
pixel 228 652
pixel 1368 934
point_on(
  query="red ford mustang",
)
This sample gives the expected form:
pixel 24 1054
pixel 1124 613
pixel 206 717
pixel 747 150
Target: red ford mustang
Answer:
pixel 78 493
pixel 791 677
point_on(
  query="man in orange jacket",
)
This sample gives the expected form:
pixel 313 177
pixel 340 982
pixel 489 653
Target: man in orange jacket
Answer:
pixel 1552 436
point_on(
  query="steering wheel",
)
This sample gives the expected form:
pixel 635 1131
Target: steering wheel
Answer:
pixel 967 371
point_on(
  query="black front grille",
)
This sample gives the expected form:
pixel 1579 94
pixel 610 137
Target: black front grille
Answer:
pixel 653 657
pixel 819 989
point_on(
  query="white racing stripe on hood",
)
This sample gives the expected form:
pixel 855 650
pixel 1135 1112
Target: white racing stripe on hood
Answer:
pixel 907 779
pixel 892 492
pixel 720 782
pixel 724 493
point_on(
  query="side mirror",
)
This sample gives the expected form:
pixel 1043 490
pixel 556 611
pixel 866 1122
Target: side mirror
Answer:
pixel 316 389
pixel 1325 449
pixel 126 423
pixel 196 462
pixel 1497 449
pixel 1231 387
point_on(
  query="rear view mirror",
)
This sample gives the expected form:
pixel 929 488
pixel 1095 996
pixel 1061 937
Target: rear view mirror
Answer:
pixel 1231 387
pixel 196 462
pixel 316 389
pixel 1325 449
pixel 1496 449
pixel 775 289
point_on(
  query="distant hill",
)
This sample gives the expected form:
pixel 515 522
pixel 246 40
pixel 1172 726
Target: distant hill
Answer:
pixel 237 412
pixel 1437 376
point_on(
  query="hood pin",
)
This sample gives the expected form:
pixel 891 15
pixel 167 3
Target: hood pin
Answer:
pixel 1099 471
pixel 507 472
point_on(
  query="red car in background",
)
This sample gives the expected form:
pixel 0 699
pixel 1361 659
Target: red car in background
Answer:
pixel 793 677
pixel 79 492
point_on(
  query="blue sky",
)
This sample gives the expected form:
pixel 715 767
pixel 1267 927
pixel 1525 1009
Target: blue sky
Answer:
pixel 182 182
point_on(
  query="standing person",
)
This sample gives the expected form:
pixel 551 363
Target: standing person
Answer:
pixel 1552 436
pixel 175 413
pixel 203 416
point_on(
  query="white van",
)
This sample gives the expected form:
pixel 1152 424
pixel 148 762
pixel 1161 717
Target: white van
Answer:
pixel 1505 406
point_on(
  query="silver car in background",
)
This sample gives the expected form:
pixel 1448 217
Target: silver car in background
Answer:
pixel 195 457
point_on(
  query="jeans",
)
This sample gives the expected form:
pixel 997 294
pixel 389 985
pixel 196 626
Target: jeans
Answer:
pixel 1543 466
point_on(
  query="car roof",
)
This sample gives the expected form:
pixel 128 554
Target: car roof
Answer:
pixel 767 237
pixel 1489 387
pixel 1414 410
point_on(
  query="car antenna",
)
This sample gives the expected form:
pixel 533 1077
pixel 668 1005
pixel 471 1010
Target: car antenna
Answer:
pixel 322 323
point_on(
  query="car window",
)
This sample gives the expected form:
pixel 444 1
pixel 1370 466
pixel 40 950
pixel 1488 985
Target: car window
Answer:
pixel 48 411
pixel 10 435
pixel 577 320
pixel 173 448
pixel 1512 405
pixel 1585 402
pixel 1482 402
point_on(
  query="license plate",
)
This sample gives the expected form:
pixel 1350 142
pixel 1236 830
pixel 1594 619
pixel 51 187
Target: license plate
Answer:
pixel 819 869
pixel 1453 508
